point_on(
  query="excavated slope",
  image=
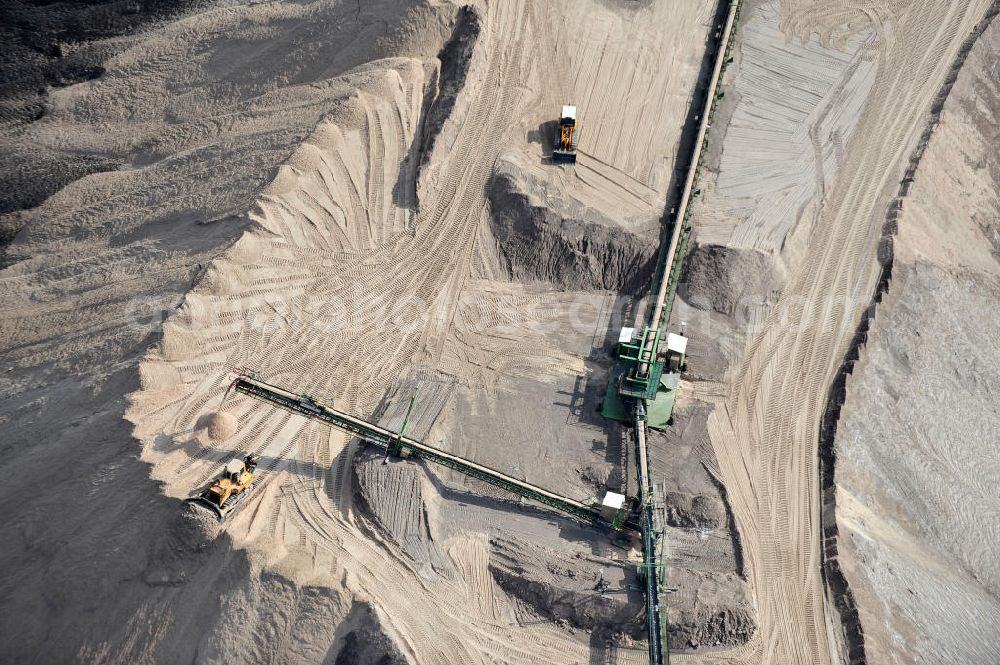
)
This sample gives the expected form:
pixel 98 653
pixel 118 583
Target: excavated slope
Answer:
pixel 916 445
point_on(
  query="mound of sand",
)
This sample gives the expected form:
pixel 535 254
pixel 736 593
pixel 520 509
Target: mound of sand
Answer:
pixel 543 236
pixel 221 425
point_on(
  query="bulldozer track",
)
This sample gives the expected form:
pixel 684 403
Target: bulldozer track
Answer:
pixel 376 185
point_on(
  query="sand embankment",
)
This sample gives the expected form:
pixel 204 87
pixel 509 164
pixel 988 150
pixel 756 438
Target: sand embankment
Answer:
pixel 915 445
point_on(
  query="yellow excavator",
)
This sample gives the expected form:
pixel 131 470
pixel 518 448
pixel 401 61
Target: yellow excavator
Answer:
pixel 565 148
pixel 232 486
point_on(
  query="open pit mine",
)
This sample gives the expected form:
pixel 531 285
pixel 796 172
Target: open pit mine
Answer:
pixel 422 332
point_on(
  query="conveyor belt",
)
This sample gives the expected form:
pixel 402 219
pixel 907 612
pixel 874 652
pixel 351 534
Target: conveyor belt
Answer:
pixel 405 446
pixel 655 570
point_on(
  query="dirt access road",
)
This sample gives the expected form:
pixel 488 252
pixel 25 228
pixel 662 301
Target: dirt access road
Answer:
pixel 764 433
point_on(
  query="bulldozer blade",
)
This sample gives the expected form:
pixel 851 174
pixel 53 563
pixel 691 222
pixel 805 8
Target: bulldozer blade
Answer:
pixel 563 157
pixel 221 512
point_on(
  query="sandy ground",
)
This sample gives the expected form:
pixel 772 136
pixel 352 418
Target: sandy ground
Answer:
pixel 917 443
pixel 819 229
pixel 107 569
pixel 52 46
pixel 345 283
pixel 292 195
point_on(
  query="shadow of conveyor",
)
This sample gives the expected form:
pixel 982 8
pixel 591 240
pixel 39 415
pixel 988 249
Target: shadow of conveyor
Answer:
pixel 603 650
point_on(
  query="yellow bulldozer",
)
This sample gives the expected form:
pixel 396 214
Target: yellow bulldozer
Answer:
pixel 232 486
pixel 564 151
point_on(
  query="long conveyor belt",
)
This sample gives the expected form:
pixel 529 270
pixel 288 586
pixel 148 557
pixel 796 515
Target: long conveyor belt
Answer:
pixel 659 651
pixel 405 445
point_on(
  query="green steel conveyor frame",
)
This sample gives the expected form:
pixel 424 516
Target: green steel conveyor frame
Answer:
pixel 656 590
pixel 399 444
pixel 643 369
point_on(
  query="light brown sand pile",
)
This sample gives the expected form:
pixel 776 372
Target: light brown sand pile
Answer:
pixel 221 425
pixel 199 112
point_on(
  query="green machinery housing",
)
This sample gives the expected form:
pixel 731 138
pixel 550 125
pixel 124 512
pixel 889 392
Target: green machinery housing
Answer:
pixel 645 373
pixel 643 365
